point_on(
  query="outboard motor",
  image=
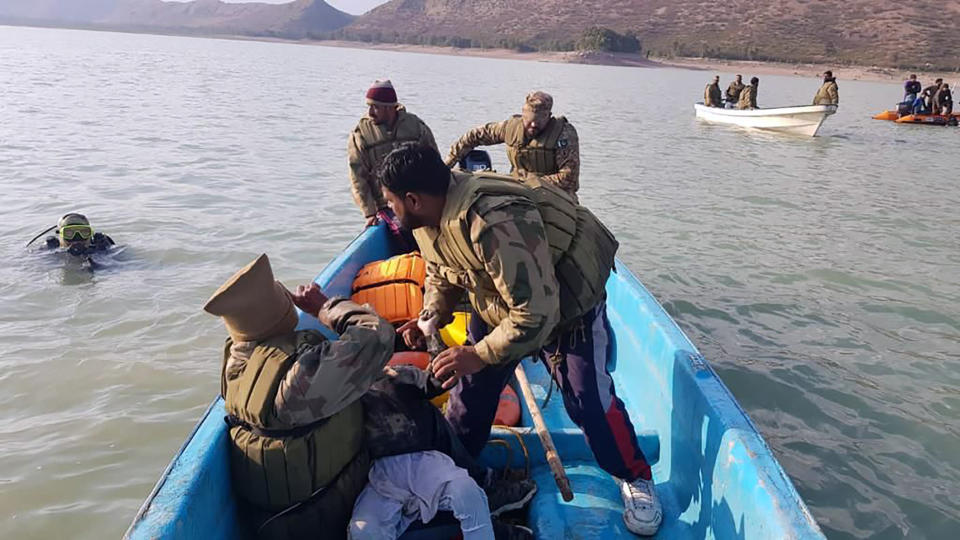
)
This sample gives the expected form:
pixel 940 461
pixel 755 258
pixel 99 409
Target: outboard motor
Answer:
pixel 476 160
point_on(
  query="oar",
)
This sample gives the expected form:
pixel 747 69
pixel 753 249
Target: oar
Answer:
pixel 553 458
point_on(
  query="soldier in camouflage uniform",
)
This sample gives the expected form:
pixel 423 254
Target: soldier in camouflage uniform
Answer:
pixel 733 91
pixel 534 264
pixel 386 125
pixel 538 144
pixel 711 94
pixel 748 96
pixel 293 402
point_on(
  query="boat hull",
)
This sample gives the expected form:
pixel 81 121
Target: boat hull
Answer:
pixel 802 120
pixel 929 119
pixel 715 475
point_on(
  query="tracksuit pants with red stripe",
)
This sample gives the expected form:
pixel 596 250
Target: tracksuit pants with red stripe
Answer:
pixel 587 388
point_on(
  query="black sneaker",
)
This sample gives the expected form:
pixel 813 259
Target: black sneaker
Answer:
pixel 506 531
pixel 505 495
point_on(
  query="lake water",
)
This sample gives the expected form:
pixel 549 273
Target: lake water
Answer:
pixel 819 276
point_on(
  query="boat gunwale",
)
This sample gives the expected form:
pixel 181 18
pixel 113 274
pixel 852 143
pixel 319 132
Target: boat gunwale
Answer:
pixel 788 110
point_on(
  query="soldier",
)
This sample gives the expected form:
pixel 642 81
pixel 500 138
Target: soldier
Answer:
pixel 748 96
pixel 538 144
pixel 293 401
pixel 733 91
pixel 386 125
pixel 828 94
pixel 944 100
pixel 928 93
pixel 534 263
pixel 711 95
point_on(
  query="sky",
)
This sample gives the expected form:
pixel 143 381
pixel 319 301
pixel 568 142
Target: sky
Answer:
pixel 355 7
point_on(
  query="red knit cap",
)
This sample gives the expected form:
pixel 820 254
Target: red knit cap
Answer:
pixel 382 93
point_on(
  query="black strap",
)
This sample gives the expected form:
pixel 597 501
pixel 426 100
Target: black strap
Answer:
pixel 388 282
pixel 299 431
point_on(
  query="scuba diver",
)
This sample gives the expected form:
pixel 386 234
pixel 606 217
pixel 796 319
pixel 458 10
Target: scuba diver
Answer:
pixel 75 236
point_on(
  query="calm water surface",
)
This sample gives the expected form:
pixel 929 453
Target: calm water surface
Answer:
pixel 820 277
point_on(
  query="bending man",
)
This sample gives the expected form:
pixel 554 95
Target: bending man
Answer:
pixel 534 264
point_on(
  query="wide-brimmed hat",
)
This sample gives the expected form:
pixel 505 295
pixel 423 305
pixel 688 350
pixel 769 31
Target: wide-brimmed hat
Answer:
pixel 253 305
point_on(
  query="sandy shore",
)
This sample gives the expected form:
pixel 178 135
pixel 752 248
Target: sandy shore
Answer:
pixel 747 68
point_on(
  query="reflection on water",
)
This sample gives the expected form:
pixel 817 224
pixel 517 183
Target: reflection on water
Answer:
pixel 819 276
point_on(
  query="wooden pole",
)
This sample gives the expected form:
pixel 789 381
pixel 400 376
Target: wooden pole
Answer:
pixel 553 458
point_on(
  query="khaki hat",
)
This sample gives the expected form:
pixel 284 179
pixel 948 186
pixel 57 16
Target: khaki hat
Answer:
pixel 253 305
pixel 538 101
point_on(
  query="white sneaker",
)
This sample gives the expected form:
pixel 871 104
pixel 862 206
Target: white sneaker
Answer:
pixel 641 507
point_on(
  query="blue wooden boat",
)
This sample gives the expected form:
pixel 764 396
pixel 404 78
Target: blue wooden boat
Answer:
pixel 715 474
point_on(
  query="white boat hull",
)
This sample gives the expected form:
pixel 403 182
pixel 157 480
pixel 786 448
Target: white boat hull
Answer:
pixel 803 120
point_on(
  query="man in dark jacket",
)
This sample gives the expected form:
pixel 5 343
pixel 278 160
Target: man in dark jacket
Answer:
pixel 944 100
pixel 928 93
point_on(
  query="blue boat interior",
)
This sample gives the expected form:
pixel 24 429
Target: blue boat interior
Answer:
pixel 714 473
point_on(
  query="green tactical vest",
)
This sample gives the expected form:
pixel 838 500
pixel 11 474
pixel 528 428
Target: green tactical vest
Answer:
pixel 538 155
pixel 275 465
pixel 581 247
pixel 378 141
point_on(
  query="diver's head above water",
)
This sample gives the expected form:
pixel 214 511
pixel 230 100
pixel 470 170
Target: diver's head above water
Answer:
pixel 74 231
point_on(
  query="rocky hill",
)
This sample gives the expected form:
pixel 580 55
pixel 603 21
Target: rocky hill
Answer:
pixel 917 34
pixel 296 19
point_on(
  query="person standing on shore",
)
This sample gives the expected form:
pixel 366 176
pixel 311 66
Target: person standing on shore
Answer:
pixel 711 95
pixel 748 96
pixel 538 144
pixel 733 91
pixel 828 94
pixel 386 126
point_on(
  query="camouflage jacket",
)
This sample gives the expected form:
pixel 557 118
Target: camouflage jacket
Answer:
pixel 365 159
pixel 516 293
pixel 734 90
pixel 712 96
pixel 567 176
pixel 748 98
pixel 326 377
pixel 828 94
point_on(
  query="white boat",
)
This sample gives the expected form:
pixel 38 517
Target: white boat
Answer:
pixel 800 120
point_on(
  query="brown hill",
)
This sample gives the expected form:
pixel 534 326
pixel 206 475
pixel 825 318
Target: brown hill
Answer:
pixel 295 19
pixel 920 34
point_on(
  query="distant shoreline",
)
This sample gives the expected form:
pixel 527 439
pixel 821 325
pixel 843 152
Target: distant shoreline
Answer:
pixel 747 68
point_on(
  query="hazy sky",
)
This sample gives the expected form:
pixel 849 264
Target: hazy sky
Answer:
pixel 350 6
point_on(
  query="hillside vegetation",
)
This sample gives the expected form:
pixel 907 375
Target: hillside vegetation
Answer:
pixel 869 32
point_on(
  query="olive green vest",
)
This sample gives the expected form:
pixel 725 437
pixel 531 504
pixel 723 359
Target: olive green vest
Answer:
pixel 538 155
pixel 581 248
pixel 274 464
pixel 378 141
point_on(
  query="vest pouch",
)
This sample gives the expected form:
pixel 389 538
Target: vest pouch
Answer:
pixel 393 287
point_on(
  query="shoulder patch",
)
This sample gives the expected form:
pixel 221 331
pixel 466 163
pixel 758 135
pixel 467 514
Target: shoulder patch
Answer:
pixel 562 143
